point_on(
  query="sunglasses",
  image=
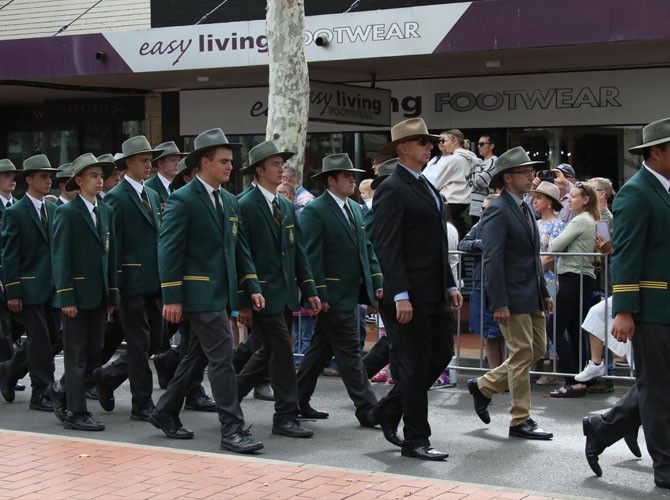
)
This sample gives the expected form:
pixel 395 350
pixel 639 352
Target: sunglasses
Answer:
pixel 423 141
pixel 482 144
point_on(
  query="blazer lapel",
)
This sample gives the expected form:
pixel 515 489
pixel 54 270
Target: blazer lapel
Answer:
pixel 516 210
pixel 203 195
pixel 28 204
pixel 86 215
pixel 263 207
pixel 656 186
pixel 130 191
pixel 416 186
pixel 339 215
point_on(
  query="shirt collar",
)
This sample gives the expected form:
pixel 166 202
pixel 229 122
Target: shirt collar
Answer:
pixel 164 181
pixel 516 199
pixel 90 206
pixel 63 200
pixel 37 203
pixel 269 196
pixel 664 182
pixel 6 200
pixel 414 173
pixel 137 186
pixel 209 188
pixel 338 200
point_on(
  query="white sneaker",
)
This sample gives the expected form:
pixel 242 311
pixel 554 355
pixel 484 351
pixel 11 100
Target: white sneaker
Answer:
pixel 591 371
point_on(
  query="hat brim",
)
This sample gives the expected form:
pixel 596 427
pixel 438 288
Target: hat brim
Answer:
pixel 250 169
pixel 378 180
pixel 191 159
pixel 336 170
pixel 497 178
pixel 20 174
pixel 638 150
pixel 557 205
pixel 108 168
pixel 154 152
pixel 389 148
pixel 165 155
pixel 178 181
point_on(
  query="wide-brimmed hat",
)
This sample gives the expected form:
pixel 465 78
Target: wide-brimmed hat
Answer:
pixel 88 160
pixel 550 190
pixel 261 152
pixel 653 134
pixel 337 163
pixel 383 171
pixel 208 139
pixel 37 163
pixel 135 146
pixel 64 172
pixel 169 148
pixel 6 165
pixel 515 157
pixel 182 170
pixel 414 128
pixel 117 158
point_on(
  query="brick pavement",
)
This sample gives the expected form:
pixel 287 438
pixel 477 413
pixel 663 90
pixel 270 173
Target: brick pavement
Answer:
pixel 57 467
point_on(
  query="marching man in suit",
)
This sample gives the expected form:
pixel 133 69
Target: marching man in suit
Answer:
pixel 137 224
pixel 640 275
pixel 84 264
pixel 28 281
pixel 203 259
pixel 347 273
pixel 515 291
pixel 166 163
pixel 275 241
pixel 410 237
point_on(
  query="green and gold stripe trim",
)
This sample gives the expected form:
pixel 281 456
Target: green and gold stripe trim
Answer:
pixel 169 284
pixel 248 277
pixel 196 278
pixel 657 285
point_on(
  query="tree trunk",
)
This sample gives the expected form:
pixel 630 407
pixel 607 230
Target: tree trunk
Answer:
pixel 288 100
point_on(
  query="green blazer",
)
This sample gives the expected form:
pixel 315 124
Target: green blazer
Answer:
pixel 339 257
pixel 640 264
pixel 245 191
pixel 58 202
pixel 201 264
pixel 156 184
pixel 26 253
pixel 136 239
pixel 278 252
pixel 83 256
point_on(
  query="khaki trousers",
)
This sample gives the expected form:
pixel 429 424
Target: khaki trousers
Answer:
pixel 526 341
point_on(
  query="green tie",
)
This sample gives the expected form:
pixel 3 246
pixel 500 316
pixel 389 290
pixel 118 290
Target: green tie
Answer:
pixel 147 204
pixel 350 216
pixel 43 217
pixel 276 211
pixel 217 204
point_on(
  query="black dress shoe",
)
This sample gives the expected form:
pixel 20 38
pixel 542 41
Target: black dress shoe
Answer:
pixel 306 411
pixel 82 422
pixel 171 426
pixel 424 453
pixel 19 387
pixel 529 430
pixel 40 401
pixel 631 442
pixel 58 401
pixel 481 402
pixel 105 393
pixel 240 442
pixel 7 386
pixel 592 448
pixel 92 393
pixel 264 392
pixel 390 431
pixel 141 415
pixel 291 428
pixel 201 403
pixel 366 419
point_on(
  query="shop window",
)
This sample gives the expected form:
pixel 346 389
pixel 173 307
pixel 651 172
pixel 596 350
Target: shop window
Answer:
pixel 60 146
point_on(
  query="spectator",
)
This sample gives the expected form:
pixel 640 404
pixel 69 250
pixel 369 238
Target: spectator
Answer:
pixel 578 237
pixel 481 319
pixel 480 177
pixel 565 179
pixel 605 193
pixel 302 195
pixel 449 173
pixel 377 161
pixel 287 190
pixel 366 195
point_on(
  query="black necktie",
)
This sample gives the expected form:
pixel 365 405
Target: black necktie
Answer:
pixel 43 217
pixel 350 216
pixel 424 183
pixel 526 212
pixel 276 211
pixel 147 204
pixel 217 204
pixel 97 217
pixel 9 204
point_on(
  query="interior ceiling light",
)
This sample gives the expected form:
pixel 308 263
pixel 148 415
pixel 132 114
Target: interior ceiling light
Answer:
pixel 202 79
pixel 493 64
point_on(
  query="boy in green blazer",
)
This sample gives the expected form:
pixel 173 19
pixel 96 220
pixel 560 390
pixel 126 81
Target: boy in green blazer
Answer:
pixel 166 170
pixel 347 273
pixel 270 227
pixel 28 282
pixel 202 260
pixel 84 262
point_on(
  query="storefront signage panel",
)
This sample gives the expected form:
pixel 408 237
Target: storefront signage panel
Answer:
pixel 565 99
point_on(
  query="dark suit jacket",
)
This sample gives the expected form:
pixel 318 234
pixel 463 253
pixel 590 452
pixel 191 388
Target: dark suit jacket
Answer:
pixel 640 264
pixel 26 253
pixel 201 263
pixel 512 268
pixel 277 251
pixel 83 256
pixel 410 237
pixel 136 239
pixel 340 258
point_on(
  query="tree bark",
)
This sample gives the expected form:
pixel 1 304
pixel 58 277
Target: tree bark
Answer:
pixel 288 99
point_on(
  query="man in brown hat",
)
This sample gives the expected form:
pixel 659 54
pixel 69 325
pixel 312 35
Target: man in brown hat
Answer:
pixel 347 273
pixel 516 292
pixel 410 237
pixel 640 271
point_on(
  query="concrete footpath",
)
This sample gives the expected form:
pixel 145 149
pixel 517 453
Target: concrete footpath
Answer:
pixel 42 466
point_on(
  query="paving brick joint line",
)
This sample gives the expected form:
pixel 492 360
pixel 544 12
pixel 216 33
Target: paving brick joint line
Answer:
pixel 56 467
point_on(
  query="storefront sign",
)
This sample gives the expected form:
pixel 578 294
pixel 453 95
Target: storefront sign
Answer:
pixel 333 103
pixel 622 97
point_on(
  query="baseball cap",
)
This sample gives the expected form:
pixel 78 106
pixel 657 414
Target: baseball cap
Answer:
pixel 567 169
